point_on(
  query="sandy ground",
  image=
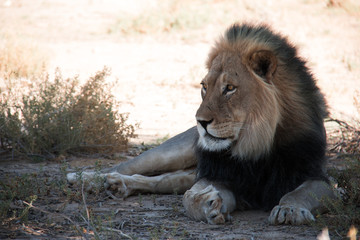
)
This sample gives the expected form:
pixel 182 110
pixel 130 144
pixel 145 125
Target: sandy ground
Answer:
pixel 158 74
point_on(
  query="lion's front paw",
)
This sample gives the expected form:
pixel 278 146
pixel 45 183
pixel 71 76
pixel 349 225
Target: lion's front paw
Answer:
pixel 118 183
pixel 206 205
pixel 287 214
pixel 212 207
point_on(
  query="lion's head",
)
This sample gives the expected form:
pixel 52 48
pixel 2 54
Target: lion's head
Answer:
pixel 256 92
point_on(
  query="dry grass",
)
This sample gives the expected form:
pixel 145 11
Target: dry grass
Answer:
pixel 54 117
pixel 350 6
pixel 345 152
pixel 171 16
pixel 20 59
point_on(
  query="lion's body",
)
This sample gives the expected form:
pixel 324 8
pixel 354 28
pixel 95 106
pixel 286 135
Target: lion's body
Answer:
pixel 260 139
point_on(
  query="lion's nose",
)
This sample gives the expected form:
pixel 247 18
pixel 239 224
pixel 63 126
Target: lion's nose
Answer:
pixel 205 123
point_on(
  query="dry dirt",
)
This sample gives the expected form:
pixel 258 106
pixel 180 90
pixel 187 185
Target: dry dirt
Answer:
pixel 158 71
pixel 140 217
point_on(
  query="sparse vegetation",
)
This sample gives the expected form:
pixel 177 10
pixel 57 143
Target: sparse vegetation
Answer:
pixel 20 197
pixel 20 59
pixel 345 149
pixel 27 188
pixel 173 16
pixel 56 117
pixel 44 203
pixel 350 6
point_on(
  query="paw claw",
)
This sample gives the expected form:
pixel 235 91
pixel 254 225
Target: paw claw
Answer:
pixel 285 214
pixel 117 183
pixel 207 205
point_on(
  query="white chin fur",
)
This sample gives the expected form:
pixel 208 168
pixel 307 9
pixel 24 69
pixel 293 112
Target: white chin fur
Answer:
pixel 211 144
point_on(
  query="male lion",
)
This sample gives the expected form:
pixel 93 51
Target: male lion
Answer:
pixel 259 142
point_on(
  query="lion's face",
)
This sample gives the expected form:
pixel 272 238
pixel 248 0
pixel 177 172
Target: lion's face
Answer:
pixel 239 109
pixel 226 101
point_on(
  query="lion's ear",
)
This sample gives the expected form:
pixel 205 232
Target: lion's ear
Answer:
pixel 263 63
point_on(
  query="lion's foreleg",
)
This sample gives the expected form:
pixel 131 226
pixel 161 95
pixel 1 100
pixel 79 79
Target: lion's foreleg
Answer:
pixel 174 182
pixel 210 202
pixel 298 206
pixel 177 153
pixel 125 185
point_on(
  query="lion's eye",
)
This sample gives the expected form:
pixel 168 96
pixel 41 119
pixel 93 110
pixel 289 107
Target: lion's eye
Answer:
pixel 229 89
pixel 204 86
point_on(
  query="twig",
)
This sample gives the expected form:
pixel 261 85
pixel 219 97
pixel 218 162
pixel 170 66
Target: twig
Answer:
pixel 87 211
pixel 342 123
pixel 84 201
pixel 118 231
pixel 58 214
pixel 338 233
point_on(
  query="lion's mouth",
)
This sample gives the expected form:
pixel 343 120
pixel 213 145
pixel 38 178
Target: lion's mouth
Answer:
pixel 208 135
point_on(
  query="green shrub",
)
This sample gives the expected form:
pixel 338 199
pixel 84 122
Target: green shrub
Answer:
pixel 56 117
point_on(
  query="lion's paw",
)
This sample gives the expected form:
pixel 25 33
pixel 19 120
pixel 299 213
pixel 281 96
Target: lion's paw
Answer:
pixel 287 214
pixel 212 207
pixel 118 183
pixel 207 205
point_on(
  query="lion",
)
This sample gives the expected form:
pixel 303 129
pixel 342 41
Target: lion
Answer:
pixel 259 142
